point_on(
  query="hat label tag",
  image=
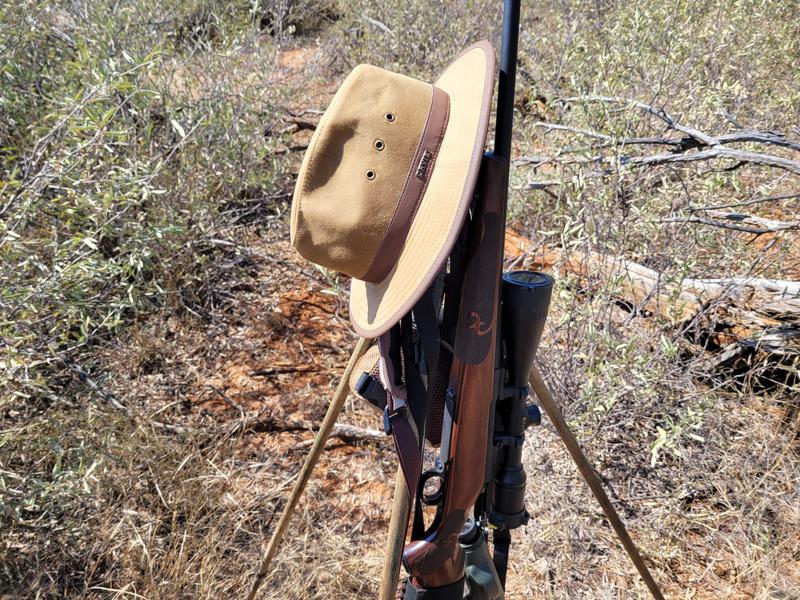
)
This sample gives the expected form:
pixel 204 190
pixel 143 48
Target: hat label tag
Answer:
pixel 424 163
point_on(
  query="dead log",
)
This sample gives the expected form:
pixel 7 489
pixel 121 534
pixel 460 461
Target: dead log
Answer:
pixel 714 153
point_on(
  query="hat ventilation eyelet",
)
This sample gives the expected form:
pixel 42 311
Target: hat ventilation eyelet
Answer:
pixel 370 174
pixel 380 145
pixel 389 117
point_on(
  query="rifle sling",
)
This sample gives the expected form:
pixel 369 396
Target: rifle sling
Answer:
pixel 420 358
pixel 427 328
pixel 406 444
pixel 370 388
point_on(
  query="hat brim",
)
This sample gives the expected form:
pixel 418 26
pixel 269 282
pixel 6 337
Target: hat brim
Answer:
pixel 469 81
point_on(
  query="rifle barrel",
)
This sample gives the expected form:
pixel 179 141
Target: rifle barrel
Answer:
pixel 507 79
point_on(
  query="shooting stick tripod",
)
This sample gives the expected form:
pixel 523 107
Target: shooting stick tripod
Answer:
pixel 397 526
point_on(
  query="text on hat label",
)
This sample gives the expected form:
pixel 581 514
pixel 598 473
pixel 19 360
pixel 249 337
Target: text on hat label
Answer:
pixel 424 162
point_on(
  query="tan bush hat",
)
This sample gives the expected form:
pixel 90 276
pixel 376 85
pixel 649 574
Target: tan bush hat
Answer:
pixel 387 179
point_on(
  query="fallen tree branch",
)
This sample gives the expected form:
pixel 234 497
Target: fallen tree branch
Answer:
pixel 612 140
pixel 749 135
pixel 284 369
pixel 741 308
pixel 750 202
pixel 744 136
pixel 540 185
pixel 744 329
pixel 735 222
pixel 758 158
pixel 659 113
pixel 770 224
pixel 702 221
pixel 778 288
pixel 708 146
pixel 759 137
pixel 669 158
pixel 375 23
pixel 784 341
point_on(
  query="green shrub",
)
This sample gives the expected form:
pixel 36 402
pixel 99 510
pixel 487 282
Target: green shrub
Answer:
pixel 128 133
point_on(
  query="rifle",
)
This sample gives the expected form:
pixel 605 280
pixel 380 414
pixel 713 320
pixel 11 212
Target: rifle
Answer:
pixel 497 331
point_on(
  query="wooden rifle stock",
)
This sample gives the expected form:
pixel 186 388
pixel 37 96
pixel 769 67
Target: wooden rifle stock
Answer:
pixel 438 559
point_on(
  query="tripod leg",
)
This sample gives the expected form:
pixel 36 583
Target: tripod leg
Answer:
pixel 551 408
pixel 311 460
pixel 398 524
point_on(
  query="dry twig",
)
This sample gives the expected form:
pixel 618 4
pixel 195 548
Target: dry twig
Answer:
pixel 736 222
pixel 708 147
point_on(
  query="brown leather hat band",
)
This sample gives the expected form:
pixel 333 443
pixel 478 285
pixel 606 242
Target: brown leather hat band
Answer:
pixel 415 186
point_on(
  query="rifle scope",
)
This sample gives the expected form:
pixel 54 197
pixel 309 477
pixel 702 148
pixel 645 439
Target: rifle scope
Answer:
pixel 526 299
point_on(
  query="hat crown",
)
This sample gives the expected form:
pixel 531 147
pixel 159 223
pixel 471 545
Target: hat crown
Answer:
pixel 384 199
pixel 356 168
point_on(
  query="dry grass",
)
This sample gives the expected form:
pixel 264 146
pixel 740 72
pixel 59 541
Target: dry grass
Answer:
pixel 174 495
pixel 184 514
